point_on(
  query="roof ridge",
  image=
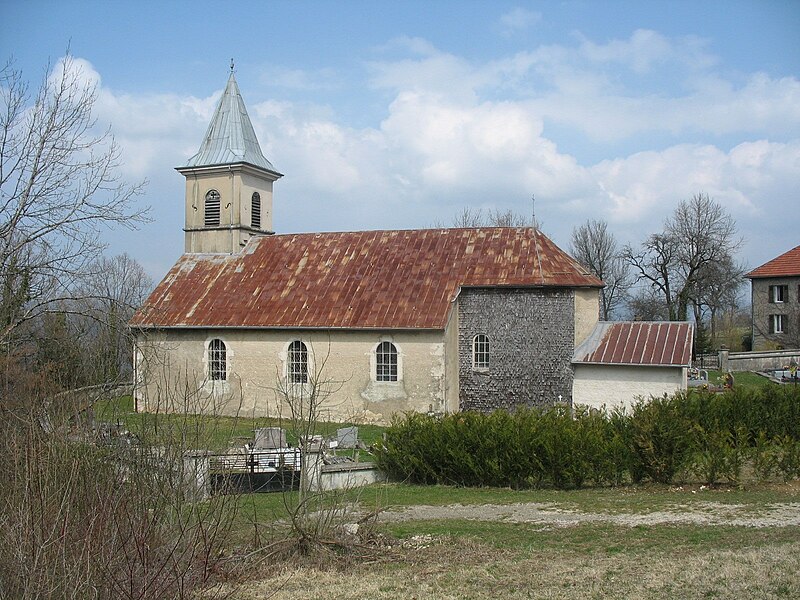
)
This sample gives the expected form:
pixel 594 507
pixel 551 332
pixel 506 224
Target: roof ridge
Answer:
pixel 783 265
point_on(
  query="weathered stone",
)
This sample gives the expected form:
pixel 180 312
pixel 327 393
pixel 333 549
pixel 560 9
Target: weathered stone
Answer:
pixel 531 337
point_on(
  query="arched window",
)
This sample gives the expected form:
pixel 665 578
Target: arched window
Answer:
pixel 217 360
pixel 480 351
pixel 386 362
pixel 255 211
pixel 298 362
pixel 212 208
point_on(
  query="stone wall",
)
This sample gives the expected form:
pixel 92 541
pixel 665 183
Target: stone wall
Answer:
pixel 531 336
pixel 756 361
pixel 764 308
pixel 172 367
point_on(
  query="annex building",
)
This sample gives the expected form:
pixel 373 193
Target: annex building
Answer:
pixel 369 323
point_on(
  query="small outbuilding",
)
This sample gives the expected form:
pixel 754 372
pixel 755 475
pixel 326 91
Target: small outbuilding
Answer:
pixel 621 362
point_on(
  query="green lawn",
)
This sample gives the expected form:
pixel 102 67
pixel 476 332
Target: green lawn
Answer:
pixel 206 431
pixel 746 379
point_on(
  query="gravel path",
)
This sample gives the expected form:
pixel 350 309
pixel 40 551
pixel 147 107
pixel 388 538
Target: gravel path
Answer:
pixel 704 513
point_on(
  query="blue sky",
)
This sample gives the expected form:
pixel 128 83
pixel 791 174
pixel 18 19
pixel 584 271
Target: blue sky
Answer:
pixel 393 115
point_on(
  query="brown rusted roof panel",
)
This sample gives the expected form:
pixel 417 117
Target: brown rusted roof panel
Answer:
pixel 403 279
pixel 785 265
pixel 638 343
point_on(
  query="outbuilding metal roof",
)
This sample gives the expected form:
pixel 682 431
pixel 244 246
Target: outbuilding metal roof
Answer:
pixel 785 265
pixel 230 138
pixel 660 344
pixel 404 279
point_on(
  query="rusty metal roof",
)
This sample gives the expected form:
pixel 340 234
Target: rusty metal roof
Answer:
pixel 785 265
pixel 660 344
pixel 404 279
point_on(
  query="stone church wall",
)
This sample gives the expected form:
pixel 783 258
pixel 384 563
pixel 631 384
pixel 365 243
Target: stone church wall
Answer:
pixel 531 335
pixel 172 367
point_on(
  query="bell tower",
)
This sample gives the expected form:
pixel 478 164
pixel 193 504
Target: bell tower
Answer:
pixel 228 182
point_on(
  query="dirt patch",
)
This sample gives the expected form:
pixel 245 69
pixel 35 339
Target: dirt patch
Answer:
pixel 705 513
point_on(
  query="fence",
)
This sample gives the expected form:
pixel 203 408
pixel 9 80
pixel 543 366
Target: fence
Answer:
pixel 706 361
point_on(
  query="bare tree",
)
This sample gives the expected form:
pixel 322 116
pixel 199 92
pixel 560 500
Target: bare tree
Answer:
pixel 645 305
pixel 114 288
pixel 596 248
pixel 469 217
pixel 475 217
pixel 673 262
pixel 58 189
pixel 717 290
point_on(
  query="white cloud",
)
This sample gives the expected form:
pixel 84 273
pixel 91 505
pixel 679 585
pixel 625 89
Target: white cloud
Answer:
pixel 456 133
pixel 518 19
pixel 647 49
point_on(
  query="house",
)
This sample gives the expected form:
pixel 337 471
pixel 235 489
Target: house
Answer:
pixel 374 323
pixel 775 293
pixel 622 362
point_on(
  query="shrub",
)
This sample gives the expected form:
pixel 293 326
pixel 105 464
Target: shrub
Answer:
pixel 708 435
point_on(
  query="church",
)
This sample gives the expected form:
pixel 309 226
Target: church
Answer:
pixel 367 324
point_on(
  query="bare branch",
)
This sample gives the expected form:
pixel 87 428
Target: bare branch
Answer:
pixel 59 190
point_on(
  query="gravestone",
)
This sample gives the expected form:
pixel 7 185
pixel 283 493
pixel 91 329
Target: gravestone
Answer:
pixel 268 438
pixel 347 437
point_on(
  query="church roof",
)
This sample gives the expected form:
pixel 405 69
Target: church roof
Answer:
pixel 640 343
pixel 405 279
pixel 785 265
pixel 230 138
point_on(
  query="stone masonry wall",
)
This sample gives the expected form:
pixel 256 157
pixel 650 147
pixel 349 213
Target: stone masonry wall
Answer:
pixel 531 340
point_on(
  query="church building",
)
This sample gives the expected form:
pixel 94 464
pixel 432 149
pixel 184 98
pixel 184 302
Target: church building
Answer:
pixel 368 323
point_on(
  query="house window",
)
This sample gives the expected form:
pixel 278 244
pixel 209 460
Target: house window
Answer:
pixel 298 362
pixel 217 360
pixel 778 293
pixel 255 210
pixel 386 362
pixel 777 323
pixel 480 352
pixel 212 208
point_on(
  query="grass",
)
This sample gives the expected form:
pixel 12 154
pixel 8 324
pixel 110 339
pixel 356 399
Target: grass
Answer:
pixel 746 379
pixel 466 558
pixel 629 499
pixel 209 431
pixel 461 558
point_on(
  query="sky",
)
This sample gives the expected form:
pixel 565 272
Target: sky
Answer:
pixel 395 115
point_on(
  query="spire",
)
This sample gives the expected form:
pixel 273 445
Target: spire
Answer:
pixel 230 138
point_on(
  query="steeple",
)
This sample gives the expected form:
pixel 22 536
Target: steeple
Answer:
pixel 228 182
pixel 230 138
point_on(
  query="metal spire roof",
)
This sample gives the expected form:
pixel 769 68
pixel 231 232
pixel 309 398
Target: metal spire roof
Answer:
pixel 230 138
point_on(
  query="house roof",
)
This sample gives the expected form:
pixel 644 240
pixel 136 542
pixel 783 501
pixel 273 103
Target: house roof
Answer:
pixel 659 344
pixel 404 279
pixel 785 265
pixel 230 138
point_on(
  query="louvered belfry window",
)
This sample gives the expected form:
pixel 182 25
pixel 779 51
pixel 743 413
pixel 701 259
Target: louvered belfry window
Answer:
pixel 255 211
pixel 212 208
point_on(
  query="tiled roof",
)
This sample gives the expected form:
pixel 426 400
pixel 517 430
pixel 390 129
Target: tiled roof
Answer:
pixel 404 279
pixel 230 138
pixel 786 265
pixel 660 344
